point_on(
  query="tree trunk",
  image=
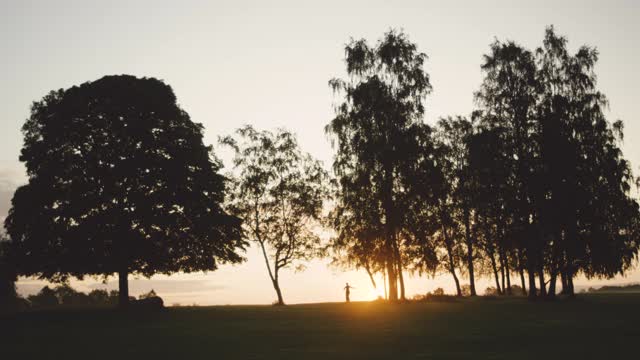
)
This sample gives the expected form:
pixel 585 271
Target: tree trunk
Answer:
pixel 502 271
pixel 123 291
pixel 543 288
pixel 521 270
pixel 494 267
pixel 532 283
pixel 401 281
pixel 470 240
pixel 276 286
pixel 272 275
pixel 505 265
pixel 389 226
pixel 508 277
pixel 552 285
pixel 524 287
pixel 452 269
pixel 384 279
pixel 455 279
pixel 393 281
pixel 570 290
pixel 373 281
pixel 396 249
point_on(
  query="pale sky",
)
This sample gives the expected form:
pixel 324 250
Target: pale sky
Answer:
pixel 267 63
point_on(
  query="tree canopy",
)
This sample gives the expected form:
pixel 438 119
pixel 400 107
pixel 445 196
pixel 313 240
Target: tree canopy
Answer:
pixel 119 181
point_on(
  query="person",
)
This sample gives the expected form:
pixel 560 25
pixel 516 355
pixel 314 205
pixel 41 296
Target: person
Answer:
pixel 347 291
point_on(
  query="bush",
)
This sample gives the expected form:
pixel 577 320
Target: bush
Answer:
pixel 150 294
pixel 491 291
pixel 437 295
pixel 517 291
pixel 46 298
pixel 437 292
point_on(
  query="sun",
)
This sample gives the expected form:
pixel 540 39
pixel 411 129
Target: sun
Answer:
pixel 374 294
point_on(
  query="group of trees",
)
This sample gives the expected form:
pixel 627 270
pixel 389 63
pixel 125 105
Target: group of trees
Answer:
pixel 531 185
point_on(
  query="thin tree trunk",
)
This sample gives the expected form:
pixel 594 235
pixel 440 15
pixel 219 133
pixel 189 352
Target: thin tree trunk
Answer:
pixel 455 279
pixel 399 263
pixel 384 279
pixel 524 287
pixel 272 275
pixel 563 280
pixel 452 267
pixel 494 267
pixel 551 293
pixel 507 276
pixel 502 270
pixel 373 281
pixel 389 214
pixel 543 289
pixel 570 289
pixel 123 288
pixel 470 239
pixel 276 286
pixel 532 283
pixel 393 281
pixel 521 270
pixel 401 281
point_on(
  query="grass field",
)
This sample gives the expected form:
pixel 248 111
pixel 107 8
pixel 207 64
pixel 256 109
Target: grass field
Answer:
pixel 603 326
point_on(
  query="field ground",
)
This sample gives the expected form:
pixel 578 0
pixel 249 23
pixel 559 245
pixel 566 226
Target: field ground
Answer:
pixel 594 326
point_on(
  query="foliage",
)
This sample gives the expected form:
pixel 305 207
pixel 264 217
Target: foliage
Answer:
pixel 376 133
pixel 119 182
pixel 279 193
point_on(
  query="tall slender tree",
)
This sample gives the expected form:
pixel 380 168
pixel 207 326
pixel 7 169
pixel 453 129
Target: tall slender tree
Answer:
pixel 383 101
pixel 279 192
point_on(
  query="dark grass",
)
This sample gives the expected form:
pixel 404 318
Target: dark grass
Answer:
pixel 597 326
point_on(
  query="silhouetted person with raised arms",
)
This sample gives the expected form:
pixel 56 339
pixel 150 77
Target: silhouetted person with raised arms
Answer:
pixel 347 291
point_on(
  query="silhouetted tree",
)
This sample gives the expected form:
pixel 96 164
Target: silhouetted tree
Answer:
pixel 119 182
pixel 508 101
pixel 382 106
pixel 279 193
pixel 7 276
pixel 589 212
pixel 456 205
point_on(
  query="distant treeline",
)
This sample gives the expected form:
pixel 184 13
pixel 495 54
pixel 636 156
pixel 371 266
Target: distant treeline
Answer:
pixel 65 296
pixel 616 288
pixel 530 188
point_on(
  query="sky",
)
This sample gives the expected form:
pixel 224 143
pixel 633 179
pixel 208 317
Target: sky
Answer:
pixel 267 63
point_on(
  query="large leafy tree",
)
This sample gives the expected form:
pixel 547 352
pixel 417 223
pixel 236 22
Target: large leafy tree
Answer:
pixel 373 131
pixel 119 182
pixel 279 192
pixel 587 179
